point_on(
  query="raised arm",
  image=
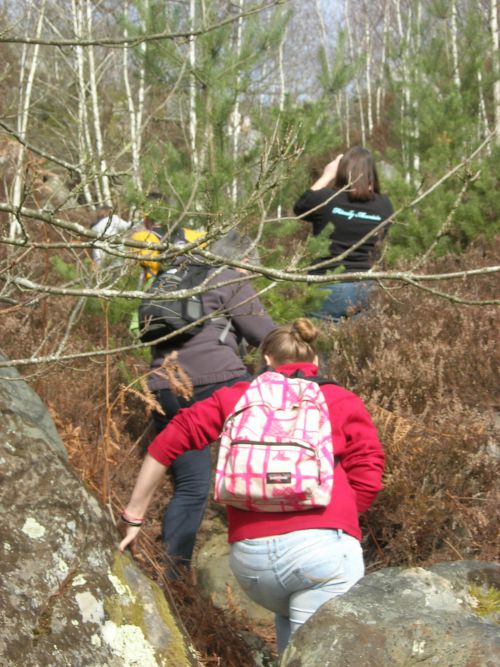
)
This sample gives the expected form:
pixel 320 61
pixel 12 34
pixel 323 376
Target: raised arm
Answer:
pixel 328 175
pixel 309 204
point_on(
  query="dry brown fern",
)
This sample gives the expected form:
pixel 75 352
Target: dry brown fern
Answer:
pixel 179 381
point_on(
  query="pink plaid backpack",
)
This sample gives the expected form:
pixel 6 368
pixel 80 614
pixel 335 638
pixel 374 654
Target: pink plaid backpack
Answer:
pixel 276 449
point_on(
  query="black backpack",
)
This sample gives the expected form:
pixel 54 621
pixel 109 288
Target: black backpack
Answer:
pixel 159 317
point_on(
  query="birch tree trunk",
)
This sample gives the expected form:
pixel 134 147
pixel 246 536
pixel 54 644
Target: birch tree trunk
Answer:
pixel 383 59
pixel 454 45
pixel 281 68
pixel 235 125
pixel 496 66
pixel 85 150
pixel 484 128
pixel 193 119
pixel 136 112
pixel 405 106
pixel 415 121
pixel 347 117
pixel 368 70
pixel 282 97
pixel 26 78
pixel 94 96
pixel 352 55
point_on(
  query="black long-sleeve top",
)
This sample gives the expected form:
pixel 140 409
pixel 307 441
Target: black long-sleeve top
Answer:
pixel 352 220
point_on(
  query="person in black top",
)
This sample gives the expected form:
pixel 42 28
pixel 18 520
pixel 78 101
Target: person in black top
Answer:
pixel 347 194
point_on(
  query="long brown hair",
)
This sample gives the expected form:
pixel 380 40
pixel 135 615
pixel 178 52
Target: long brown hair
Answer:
pixel 291 342
pixel 357 171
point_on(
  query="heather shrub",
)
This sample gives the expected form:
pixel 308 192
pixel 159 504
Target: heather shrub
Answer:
pixel 429 370
pixel 439 500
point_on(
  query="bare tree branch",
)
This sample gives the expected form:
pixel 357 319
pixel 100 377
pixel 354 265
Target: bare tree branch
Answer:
pixel 127 42
pixel 274 274
pixel 70 166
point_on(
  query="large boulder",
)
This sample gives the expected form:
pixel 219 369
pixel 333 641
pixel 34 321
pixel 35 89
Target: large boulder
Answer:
pixel 404 617
pixel 67 596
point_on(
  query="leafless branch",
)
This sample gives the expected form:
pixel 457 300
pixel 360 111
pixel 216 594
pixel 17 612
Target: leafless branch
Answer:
pixel 127 42
pixel 47 156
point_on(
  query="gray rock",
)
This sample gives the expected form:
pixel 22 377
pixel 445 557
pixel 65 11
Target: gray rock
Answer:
pixel 215 579
pixel 18 401
pixel 402 617
pixel 67 596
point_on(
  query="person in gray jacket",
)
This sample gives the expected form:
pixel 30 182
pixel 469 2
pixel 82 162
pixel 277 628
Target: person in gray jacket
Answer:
pixel 212 360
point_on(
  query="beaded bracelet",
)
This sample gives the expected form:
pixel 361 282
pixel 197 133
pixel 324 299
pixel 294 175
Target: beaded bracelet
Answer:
pixel 132 521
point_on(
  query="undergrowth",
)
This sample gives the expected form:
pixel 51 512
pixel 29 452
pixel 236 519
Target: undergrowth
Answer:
pixel 429 371
pixel 486 602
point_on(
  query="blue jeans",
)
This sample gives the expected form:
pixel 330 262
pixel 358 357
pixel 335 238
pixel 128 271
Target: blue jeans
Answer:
pixel 191 475
pixel 295 573
pixel 345 299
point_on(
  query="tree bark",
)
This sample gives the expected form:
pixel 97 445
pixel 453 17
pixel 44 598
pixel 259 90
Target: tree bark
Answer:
pixel 454 44
pixel 94 96
pixel 496 66
pixel 135 112
pixel 26 78
pixel 85 146
pixel 235 125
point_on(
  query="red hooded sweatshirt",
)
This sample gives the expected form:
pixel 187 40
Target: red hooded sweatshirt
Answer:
pixel 357 477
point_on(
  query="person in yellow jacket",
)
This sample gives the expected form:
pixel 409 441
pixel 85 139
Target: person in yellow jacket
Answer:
pixel 149 264
pixel 150 232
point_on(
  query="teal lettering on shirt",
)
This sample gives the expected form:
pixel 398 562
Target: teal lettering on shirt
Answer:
pixel 361 215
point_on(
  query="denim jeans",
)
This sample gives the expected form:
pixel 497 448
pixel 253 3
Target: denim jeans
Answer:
pixel 295 573
pixel 191 475
pixel 345 299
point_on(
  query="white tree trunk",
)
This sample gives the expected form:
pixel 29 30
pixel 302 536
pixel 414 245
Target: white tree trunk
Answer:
pixel 85 151
pixel 94 96
pixel 454 45
pixel 282 97
pixel 193 119
pixel 368 71
pixel 347 116
pixel 235 126
pixel 352 56
pixel 281 66
pixel 416 73
pixel 383 59
pixel 26 78
pixel 405 107
pixel 496 66
pixel 484 127
pixel 135 112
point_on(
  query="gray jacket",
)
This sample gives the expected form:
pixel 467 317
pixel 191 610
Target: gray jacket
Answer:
pixel 204 358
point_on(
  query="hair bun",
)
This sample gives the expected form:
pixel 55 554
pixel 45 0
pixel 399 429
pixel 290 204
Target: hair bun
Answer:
pixel 305 329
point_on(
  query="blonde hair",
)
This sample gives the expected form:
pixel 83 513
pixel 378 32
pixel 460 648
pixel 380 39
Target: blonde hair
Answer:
pixel 291 342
